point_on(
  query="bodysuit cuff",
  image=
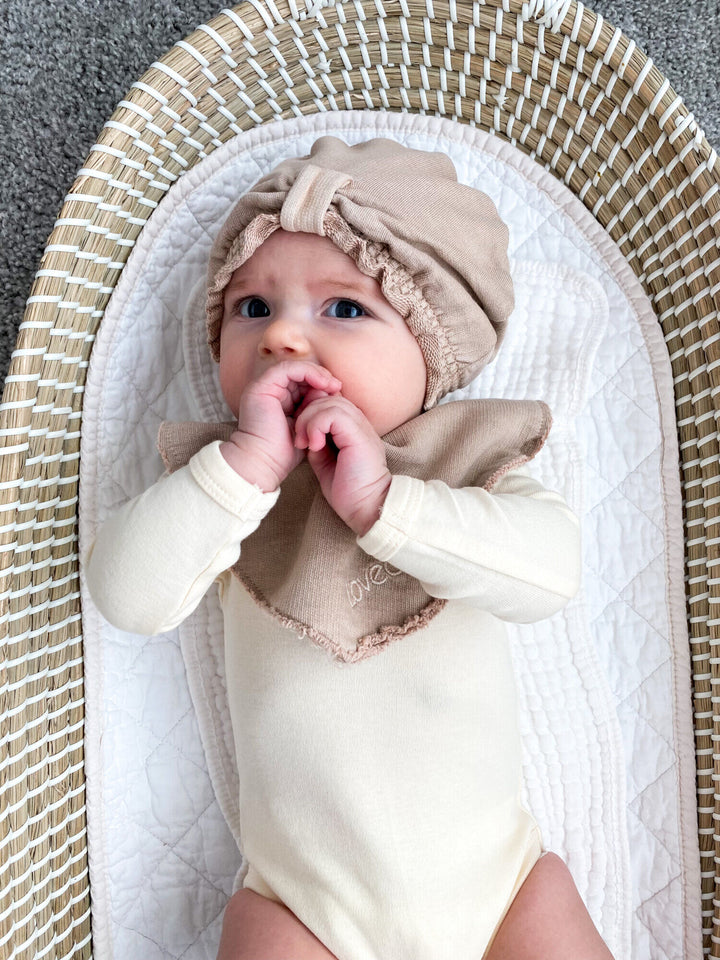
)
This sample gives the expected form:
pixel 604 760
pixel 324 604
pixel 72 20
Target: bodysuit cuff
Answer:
pixel 234 493
pixel 402 505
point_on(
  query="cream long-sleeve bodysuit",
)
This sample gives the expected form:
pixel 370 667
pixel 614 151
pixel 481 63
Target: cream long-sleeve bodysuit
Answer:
pixel 379 800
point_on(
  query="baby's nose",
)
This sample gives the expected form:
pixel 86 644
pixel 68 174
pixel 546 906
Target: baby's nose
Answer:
pixel 284 338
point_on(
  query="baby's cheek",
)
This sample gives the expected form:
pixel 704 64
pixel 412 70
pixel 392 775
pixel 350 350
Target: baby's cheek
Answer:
pixel 232 382
pixel 401 399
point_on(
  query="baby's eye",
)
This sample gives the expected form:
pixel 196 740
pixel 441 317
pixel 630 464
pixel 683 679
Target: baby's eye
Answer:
pixel 253 308
pixel 347 309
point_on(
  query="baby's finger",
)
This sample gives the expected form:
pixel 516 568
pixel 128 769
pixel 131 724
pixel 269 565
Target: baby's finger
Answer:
pixel 317 438
pixel 309 436
pixel 323 463
pixel 330 415
pixel 288 374
pixel 290 399
pixel 303 416
pixel 311 395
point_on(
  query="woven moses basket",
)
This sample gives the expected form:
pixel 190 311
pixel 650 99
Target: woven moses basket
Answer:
pixel 552 78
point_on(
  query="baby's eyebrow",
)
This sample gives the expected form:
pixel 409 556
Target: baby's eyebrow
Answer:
pixel 350 285
pixel 354 285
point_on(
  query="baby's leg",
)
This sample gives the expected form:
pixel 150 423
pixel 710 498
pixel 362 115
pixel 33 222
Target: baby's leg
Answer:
pixel 255 928
pixel 548 920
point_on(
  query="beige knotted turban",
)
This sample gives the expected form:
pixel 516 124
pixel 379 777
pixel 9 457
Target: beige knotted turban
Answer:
pixel 437 247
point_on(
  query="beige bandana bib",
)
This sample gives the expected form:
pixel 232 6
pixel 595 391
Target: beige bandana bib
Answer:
pixel 303 563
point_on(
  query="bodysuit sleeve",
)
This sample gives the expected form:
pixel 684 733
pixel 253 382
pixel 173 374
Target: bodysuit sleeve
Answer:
pixel 514 551
pixel 154 559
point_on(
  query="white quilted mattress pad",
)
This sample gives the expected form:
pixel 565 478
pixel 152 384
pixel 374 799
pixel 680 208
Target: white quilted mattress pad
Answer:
pixel 604 685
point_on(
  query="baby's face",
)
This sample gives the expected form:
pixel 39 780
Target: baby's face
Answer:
pixel 299 297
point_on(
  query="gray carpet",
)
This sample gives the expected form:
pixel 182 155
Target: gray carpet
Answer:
pixel 64 65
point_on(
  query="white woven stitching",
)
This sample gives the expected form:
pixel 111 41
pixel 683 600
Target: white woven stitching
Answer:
pixel 224 46
pixel 181 81
pixel 626 57
pixel 550 13
pixel 577 22
pixel 644 71
pixel 595 34
pixel 610 49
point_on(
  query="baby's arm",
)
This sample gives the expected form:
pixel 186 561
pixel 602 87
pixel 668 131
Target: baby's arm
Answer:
pixel 154 559
pixel 514 551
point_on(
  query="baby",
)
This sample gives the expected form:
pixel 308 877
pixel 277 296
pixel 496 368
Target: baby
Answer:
pixel 368 545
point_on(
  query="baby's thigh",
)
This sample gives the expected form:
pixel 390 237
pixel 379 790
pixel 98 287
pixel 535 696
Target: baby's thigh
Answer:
pixel 548 920
pixel 255 928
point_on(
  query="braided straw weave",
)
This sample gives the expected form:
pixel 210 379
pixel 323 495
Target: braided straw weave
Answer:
pixel 551 77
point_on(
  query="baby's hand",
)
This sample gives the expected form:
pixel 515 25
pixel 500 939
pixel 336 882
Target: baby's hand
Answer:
pixel 347 456
pixel 262 448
